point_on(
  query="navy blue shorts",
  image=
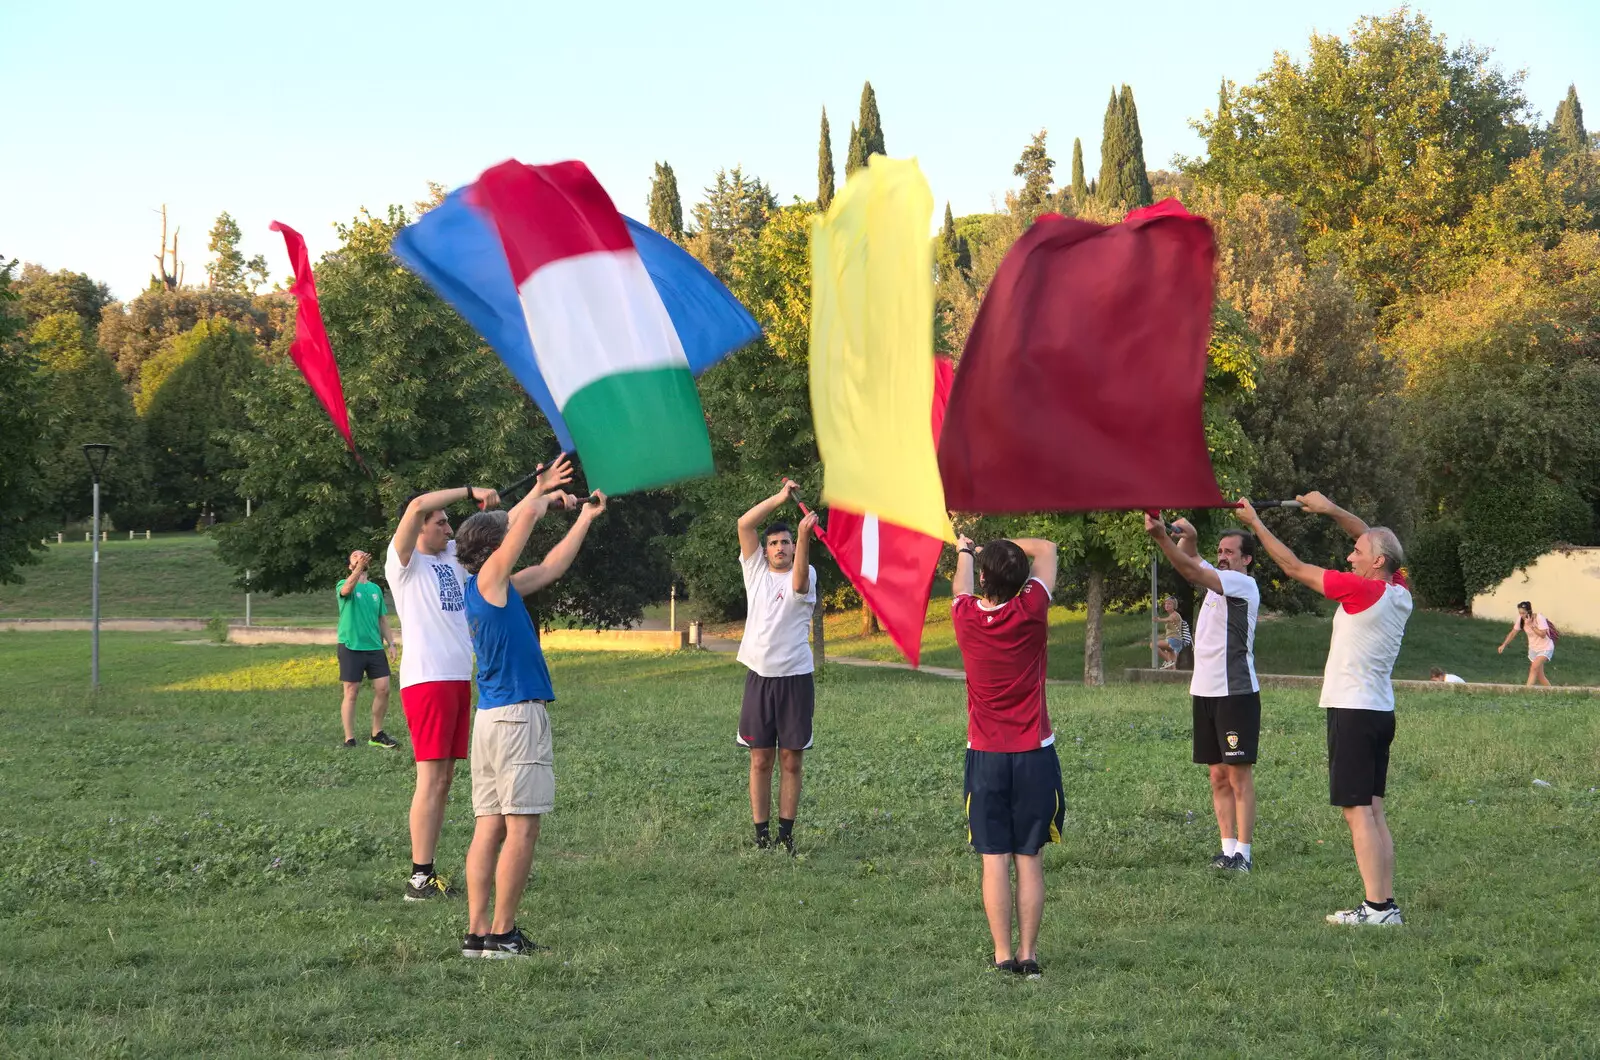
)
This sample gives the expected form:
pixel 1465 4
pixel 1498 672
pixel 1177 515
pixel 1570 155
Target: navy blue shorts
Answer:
pixel 1014 800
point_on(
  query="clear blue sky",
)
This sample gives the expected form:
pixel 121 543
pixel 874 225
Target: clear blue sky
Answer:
pixel 306 112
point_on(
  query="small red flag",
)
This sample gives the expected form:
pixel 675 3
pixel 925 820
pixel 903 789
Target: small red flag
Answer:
pixel 890 566
pixel 1081 384
pixel 310 350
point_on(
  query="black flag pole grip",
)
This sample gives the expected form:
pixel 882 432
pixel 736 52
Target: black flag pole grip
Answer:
pixel 1258 505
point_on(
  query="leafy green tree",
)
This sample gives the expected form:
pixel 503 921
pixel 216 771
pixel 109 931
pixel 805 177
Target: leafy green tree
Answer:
pixel 1080 187
pixel 1567 134
pixel 953 252
pixel 871 125
pixel 131 333
pixel 1034 167
pixel 1134 178
pixel 664 204
pixel 825 165
pixel 853 158
pixel 44 294
pixel 430 406
pixel 23 500
pixel 1503 400
pixel 229 270
pixel 735 209
pixel 1383 141
pixel 81 399
pixel 188 412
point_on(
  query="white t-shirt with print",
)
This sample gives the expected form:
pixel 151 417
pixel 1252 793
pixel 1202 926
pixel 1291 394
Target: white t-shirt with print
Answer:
pixel 429 597
pixel 1225 637
pixel 777 625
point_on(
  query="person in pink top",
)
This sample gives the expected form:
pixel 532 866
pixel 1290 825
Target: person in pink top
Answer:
pixel 1357 689
pixel 1541 641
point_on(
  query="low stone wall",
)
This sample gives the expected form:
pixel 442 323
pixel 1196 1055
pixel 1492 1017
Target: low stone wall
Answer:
pixel 328 635
pixel 107 625
pixel 1173 677
pixel 553 640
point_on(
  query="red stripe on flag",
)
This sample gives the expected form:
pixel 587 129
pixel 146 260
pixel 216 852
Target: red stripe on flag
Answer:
pixel 547 213
pixel 311 351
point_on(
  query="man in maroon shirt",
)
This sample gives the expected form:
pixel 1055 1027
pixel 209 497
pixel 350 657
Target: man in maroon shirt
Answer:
pixel 1013 778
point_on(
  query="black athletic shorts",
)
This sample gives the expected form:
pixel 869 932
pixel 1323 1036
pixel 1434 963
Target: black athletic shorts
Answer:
pixel 1014 800
pixel 1358 755
pixel 1227 729
pixel 354 665
pixel 777 712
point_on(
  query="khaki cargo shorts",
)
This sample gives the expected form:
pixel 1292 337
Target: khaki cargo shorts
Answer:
pixel 513 764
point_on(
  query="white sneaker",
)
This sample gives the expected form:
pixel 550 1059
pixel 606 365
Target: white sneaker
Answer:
pixel 1364 915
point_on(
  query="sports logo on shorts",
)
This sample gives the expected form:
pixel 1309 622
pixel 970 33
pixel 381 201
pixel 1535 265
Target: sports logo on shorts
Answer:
pixel 1233 741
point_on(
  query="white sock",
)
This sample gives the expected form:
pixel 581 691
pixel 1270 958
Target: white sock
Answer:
pixel 1229 846
pixel 1243 848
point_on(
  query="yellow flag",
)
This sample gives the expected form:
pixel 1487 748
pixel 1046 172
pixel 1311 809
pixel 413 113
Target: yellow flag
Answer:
pixel 872 348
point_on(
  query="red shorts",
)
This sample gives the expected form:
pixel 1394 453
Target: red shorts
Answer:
pixel 439 714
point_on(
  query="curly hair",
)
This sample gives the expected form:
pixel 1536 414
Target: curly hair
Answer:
pixel 478 537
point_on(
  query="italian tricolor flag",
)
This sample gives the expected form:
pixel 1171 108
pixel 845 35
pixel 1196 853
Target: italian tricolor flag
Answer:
pixel 604 341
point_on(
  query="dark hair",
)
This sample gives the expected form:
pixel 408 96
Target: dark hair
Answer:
pixel 1525 606
pixel 405 506
pixel 1003 570
pixel 478 537
pixel 1247 541
pixel 1436 672
pixel 776 528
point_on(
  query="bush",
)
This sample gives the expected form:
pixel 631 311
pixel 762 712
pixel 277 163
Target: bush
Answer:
pixel 217 629
pixel 1435 565
pixel 1505 528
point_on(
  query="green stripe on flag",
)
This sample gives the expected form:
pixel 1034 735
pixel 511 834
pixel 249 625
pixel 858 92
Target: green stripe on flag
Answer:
pixel 636 430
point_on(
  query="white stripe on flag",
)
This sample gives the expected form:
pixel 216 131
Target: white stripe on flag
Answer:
pixel 595 315
pixel 869 548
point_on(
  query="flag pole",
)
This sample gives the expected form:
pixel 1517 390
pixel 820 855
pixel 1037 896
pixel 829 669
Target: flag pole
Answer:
pixel 1155 611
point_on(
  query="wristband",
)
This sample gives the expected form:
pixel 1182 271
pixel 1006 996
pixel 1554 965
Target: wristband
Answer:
pixel 471 496
pixel 971 552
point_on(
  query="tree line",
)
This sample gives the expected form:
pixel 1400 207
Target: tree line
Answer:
pixel 1407 318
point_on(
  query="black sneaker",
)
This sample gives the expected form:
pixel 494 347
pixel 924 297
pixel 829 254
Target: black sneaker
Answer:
pixel 1240 863
pixel 787 843
pixel 1029 970
pixel 350 743
pixel 420 888
pixel 512 944
pixel 1004 967
pixel 1219 860
pixel 472 945
pixel 382 739
pixel 763 842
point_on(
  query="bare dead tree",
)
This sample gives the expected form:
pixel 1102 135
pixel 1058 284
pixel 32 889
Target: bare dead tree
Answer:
pixel 174 279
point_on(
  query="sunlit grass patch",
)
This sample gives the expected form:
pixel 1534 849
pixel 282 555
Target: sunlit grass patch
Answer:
pixel 301 672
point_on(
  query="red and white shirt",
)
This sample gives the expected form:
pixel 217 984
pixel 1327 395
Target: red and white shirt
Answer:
pixel 1367 630
pixel 1004 650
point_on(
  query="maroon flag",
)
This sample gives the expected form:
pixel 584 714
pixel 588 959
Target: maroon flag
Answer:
pixel 890 566
pixel 1081 384
pixel 310 350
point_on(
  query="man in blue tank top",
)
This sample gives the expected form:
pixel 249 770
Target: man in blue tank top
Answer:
pixel 513 781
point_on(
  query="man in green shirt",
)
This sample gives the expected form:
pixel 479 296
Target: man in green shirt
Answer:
pixel 366 648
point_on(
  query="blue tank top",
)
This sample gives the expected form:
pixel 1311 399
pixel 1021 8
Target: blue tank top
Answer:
pixel 511 666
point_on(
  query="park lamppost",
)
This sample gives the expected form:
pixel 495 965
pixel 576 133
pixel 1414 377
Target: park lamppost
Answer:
pixel 96 454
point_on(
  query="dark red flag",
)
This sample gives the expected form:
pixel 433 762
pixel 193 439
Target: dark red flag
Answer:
pixel 310 350
pixel 890 566
pixel 1081 384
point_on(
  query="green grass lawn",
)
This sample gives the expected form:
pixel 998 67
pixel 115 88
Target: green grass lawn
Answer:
pixel 170 576
pixel 203 873
pixel 1295 644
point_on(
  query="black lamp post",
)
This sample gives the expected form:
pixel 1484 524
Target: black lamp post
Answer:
pixel 96 454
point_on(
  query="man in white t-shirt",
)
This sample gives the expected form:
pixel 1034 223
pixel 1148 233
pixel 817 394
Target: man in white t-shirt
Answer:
pixel 435 664
pixel 1226 695
pixel 779 696
pixel 1357 689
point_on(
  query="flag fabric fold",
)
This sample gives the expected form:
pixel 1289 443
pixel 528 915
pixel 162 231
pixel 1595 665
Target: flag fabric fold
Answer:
pixel 601 320
pixel 1081 384
pixel 311 351
pixel 892 567
pixel 871 343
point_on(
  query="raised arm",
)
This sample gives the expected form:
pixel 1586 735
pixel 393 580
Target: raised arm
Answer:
pixel 348 586
pixel 1042 558
pixel 1186 563
pixel 410 528
pixel 964 583
pixel 558 560
pixel 1188 539
pixel 802 554
pixel 495 574
pixel 1351 524
pixel 751 521
pixel 1307 574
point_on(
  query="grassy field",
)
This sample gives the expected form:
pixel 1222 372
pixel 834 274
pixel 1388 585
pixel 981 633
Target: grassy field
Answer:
pixel 194 871
pixel 170 576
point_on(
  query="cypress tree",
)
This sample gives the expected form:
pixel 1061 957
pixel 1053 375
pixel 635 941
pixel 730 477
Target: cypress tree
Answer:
pixel 871 125
pixel 1112 151
pixel 824 166
pixel 1567 134
pixel 1080 187
pixel 1135 178
pixel 666 208
pixel 852 154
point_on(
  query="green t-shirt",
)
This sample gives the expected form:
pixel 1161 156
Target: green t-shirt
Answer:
pixel 358 617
